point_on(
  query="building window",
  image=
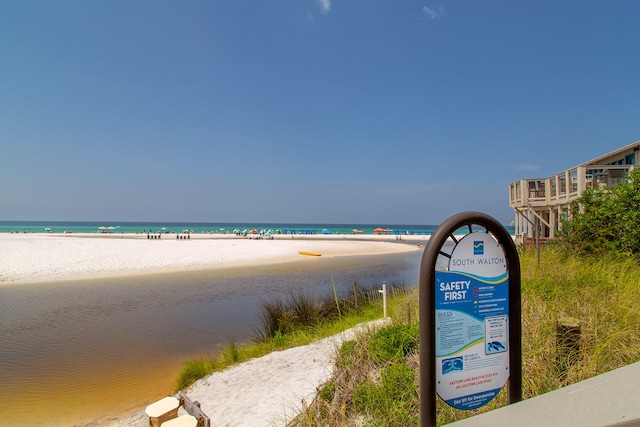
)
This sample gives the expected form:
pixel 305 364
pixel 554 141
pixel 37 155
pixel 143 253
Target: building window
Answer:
pixel 630 159
pixel 573 177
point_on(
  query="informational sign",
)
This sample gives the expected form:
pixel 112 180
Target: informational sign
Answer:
pixel 472 323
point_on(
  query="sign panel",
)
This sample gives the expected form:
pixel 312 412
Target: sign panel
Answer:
pixel 472 323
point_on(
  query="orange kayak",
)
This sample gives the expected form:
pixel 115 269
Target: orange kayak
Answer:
pixel 309 253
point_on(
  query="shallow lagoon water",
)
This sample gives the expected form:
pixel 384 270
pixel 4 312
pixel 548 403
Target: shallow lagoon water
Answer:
pixel 82 352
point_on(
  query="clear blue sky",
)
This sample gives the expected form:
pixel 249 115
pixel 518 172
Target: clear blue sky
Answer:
pixel 334 111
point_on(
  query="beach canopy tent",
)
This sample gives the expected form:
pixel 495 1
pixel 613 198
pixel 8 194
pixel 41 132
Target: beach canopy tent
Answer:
pixel 381 230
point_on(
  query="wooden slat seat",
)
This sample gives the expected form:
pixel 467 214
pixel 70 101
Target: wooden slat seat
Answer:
pixel 162 410
pixel 182 421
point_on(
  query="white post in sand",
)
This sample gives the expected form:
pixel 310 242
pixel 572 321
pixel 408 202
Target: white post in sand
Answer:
pixel 383 291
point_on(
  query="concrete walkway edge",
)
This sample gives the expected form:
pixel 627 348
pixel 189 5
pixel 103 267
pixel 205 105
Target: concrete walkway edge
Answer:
pixel 609 399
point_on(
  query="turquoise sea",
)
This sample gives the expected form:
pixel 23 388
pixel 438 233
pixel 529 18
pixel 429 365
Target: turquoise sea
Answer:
pixel 207 227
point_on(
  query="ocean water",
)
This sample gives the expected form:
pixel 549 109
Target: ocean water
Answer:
pixel 211 228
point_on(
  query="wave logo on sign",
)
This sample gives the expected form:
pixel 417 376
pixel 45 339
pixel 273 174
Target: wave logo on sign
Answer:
pixel 478 247
pixel 455 364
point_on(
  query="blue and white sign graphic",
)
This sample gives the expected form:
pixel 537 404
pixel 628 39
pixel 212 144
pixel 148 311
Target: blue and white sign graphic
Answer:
pixel 472 323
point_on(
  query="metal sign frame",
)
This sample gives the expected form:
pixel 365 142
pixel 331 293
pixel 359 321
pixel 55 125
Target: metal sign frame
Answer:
pixel 445 232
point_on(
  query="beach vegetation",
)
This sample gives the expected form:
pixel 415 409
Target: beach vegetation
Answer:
pixel 390 400
pixel 231 352
pixel 375 379
pixel 606 220
pixel 300 311
pixel 293 320
pixel 394 343
pixel 195 369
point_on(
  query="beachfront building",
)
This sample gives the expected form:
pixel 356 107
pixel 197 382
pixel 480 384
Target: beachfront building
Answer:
pixel 540 203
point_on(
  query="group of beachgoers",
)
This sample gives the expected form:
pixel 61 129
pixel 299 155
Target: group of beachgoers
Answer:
pixel 159 236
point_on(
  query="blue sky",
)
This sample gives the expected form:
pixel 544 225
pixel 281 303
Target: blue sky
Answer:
pixel 334 111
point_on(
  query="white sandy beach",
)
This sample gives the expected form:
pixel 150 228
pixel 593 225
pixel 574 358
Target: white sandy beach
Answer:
pixel 266 391
pixel 45 257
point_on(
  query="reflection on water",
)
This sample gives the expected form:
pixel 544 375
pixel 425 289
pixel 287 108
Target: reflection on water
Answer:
pixel 79 353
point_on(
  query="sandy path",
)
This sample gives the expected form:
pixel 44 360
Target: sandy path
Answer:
pixel 267 391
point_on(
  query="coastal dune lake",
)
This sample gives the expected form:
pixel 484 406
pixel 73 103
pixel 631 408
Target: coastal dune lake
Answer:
pixel 78 353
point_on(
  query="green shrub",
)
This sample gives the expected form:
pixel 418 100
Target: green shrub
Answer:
pixel 327 392
pixel 606 219
pixel 231 352
pixel 274 317
pixel 193 371
pixel 391 402
pixel 347 354
pixel 394 343
pixel 298 311
pixel 278 339
pixel 302 309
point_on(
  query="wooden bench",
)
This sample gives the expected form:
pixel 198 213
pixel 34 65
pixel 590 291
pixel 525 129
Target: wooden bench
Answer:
pixel 164 413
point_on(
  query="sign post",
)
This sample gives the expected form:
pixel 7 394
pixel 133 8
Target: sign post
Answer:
pixel 470 307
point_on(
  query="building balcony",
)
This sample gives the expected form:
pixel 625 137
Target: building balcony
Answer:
pixel 563 188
